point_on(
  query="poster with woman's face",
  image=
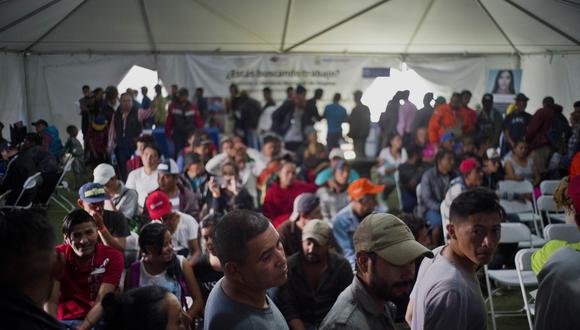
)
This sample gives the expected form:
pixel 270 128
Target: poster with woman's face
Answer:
pixel 504 84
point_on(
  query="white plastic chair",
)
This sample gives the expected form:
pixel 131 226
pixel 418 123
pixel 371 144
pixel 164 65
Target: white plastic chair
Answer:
pixel 444 223
pixel 510 233
pixel 59 199
pixel 526 278
pixel 563 232
pixel 547 187
pixel 525 211
pixel 29 184
pixel 547 206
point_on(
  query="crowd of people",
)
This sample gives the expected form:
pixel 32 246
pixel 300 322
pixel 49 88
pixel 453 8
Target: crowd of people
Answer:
pixel 263 226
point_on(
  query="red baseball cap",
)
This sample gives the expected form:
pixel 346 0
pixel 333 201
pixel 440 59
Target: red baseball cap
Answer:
pixel 363 186
pixel 468 165
pixel 158 205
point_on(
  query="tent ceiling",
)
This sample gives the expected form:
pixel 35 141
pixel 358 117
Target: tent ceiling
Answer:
pixel 390 26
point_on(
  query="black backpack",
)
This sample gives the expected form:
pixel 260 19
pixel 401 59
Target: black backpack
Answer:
pixel 559 131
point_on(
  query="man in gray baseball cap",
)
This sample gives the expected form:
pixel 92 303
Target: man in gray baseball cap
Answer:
pixel 385 260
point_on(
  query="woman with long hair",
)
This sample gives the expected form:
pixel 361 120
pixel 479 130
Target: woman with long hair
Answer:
pixel 504 82
pixel 159 265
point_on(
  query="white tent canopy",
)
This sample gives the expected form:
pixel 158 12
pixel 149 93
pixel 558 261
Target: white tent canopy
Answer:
pixel 51 47
pixel 318 26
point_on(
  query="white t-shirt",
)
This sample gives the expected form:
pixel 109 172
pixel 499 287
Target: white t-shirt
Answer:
pixel 142 183
pixel 161 279
pixel 187 229
pixel 447 297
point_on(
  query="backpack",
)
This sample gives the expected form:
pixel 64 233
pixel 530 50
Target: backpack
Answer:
pixel 559 131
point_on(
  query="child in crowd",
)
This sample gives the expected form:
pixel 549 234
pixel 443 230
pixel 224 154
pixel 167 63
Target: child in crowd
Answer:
pixel 74 147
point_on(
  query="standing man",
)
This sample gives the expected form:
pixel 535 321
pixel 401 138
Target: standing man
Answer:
pixel 91 270
pixel 125 130
pixel 385 257
pixel 250 111
pixel 424 114
pixel 489 122
pixel 335 115
pixel 182 119
pixel 159 104
pixel 253 260
pixel 311 114
pixel 359 122
pixel 265 123
pixel 447 293
pixel 407 112
pixel 201 103
pixel 85 104
pixel 515 124
pixel 288 120
pixel 451 117
pixel 30 266
pixel 316 276
pixel 363 196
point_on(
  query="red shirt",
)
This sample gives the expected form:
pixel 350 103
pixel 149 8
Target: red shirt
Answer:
pixel 79 286
pixel 278 203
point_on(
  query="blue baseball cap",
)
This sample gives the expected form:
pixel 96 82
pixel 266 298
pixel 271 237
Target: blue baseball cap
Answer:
pixel 446 137
pixel 93 193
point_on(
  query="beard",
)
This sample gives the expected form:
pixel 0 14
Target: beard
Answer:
pixel 312 258
pixel 385 290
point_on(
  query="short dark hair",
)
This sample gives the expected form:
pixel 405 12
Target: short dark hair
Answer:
pixel 414 223
pixel 69 128
pixel 576 104
pixel 300 90
pixel 234 231
pixel 318 92
pixel 75 217
pixel 465 92
pixel 271 139
pixel 267 90
pixel 441 154
pixel 86 87
pixel 146 138
pixel 211 220
pixel 472 201
pixel 147 302
pixel 154 147
pixel 21 233
pixel 336 97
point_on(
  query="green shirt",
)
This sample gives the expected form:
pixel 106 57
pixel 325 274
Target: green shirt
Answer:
pixel 540 257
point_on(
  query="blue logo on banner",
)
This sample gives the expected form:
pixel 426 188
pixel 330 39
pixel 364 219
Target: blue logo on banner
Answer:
pixel 376 72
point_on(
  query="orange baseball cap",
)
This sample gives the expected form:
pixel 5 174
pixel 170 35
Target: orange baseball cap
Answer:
pixel 363 186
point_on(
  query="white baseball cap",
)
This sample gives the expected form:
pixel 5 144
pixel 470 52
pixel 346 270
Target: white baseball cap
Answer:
pixel 103 173
pixel 336 153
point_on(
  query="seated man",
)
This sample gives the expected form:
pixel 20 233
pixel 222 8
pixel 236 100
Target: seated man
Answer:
pixel 113 226
pixel 316 276
pixel 20 167
pixel 385 257
pixel 306 207
pixel 325 176
pixel 27 245
pixel 183 227
pixel 91 271
pixel 362 194
pixel 123 199
pixel 253 260
pixel 176 188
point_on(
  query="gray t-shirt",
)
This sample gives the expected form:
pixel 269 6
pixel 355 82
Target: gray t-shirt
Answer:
pixel 446 297
pixel 559 292
pixel 222 312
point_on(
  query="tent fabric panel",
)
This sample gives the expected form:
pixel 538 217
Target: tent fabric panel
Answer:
pixel 13 92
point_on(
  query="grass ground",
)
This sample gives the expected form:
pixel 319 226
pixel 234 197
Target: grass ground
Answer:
pixel 510 299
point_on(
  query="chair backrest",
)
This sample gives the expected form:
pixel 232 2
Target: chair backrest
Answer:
pixel 67 168
pixel 547 187
pixel 523 259
pixel 515 206
pixel 547 204
pixel 444 223
pixel 520 187
pixel 418 192
pixel 514 232
pixel 562 232
pixel 29 184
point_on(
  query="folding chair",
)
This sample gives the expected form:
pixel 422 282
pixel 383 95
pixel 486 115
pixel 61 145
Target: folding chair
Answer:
pixel 547 187
pixel 510 233
pixel 30 183
pixel 563 232
pixel 398 189
pixel 525 210
pixel 444 223
pixel 526 278
pixel 548 209
pixel 59 199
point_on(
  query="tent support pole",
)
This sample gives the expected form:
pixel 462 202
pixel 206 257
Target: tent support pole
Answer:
pixel 29 15
pixel 147 24
pixel 286 23
pixel 545 23
pixel 419 25
pixel 70 13
pixel 26 88
pixel 498 27
pixel 349 18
